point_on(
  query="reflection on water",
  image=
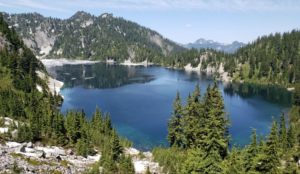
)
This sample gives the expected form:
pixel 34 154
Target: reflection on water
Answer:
pixel 271 94
pixel 140 99
pixel 98 75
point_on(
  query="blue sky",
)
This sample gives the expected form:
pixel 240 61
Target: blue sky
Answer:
pixel 183 21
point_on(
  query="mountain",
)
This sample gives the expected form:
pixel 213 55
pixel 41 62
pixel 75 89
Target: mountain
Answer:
pixel 202 43
pixel 84 36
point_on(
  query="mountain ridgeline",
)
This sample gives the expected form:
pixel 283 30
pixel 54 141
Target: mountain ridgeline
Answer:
pixel 272 59
pixel 84 36
pixel 202 43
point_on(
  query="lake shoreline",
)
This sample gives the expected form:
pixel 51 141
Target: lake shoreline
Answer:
pixel 140 165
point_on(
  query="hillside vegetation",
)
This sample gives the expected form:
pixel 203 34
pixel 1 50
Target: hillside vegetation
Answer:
pixel 84 36
pixel 273 59
pixel 38 115
pixel 200 141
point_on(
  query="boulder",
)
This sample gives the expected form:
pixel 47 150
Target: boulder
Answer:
pixel 14 133
pixel 48 155
pixel 29 150
pixel 40 154
pixel 58 152
pixel 70 152
pixel 30 145
pixel 20 149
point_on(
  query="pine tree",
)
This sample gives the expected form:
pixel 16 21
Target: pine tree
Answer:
pixel 269 161
pixel 191 165
pixel 188 124
pixel 252 152
pixel 233 166
pixel 261 143
pixel 290 137
pixel 175 123
pixel 116 147
pixel 216 140
pixel 282 131
pixel 126 165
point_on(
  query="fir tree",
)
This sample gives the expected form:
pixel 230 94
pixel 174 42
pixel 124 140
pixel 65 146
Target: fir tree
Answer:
pixel 233 166
pixel 282 131
pixel 191 165
pixel 252 152
pixel 261 143
pixel 217 138
pixel 175 123
pixel 269 161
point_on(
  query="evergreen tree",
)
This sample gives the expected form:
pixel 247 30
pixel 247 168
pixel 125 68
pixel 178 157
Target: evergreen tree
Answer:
pixel 233 166
pixel 191 165
pixel 282 130
pixel 217 138
pixel 268 161
pixel 175 123
pixel 252 152
pixel 261 143
pixel 116 147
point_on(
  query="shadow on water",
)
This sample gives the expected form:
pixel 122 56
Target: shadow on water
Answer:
pixel 100 75
pixel 268 93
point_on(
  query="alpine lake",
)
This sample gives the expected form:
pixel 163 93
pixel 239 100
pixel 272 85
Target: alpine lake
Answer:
pixel 139 99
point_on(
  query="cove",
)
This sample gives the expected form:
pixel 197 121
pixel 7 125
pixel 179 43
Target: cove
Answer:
pixel 140 99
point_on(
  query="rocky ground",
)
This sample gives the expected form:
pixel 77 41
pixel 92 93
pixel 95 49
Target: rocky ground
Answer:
pixel 36 158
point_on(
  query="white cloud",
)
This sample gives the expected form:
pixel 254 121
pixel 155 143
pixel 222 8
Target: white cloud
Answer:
pixel 5 5
pixel 43 4
pixel 218 5
pixel 228 5
pixel 188 25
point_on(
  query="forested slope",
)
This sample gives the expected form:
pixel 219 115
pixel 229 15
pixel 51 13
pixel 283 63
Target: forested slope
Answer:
pixel 38 115
pixel 84 36
pixel 273 59
pixel 200 141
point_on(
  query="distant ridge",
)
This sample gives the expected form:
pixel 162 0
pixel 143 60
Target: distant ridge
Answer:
pixel 202 43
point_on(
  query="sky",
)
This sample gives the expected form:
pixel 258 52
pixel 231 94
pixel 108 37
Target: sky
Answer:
pixel 183 21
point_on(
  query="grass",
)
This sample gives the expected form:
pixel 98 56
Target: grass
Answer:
pixel 33 162
pixel 90 164
pixel 16 155
pixel 65 163
pixel 51 171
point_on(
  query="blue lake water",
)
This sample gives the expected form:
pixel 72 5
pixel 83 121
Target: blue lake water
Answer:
pixel 140 99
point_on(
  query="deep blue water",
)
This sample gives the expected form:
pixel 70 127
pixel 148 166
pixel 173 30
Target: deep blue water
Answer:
pixel 140 99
